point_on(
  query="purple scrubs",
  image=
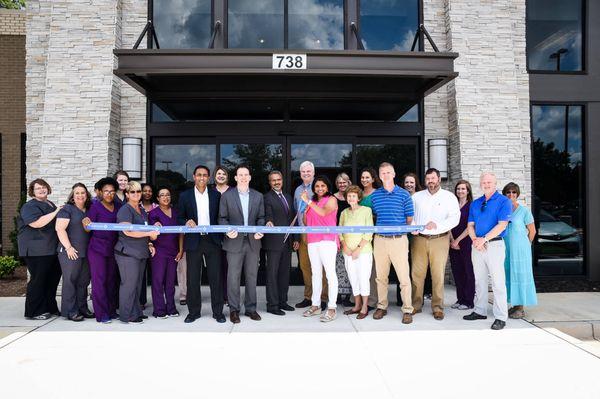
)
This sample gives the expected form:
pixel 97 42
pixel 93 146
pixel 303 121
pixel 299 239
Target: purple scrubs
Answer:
pixel 103 267
pixel 164 266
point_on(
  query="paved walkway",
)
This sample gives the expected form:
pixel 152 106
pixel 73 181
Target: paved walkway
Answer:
pixel 291 357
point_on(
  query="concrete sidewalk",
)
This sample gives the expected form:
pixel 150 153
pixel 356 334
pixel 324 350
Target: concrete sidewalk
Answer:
pixel 290 356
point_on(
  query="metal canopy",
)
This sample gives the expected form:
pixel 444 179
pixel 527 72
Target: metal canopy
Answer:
pixel 202 84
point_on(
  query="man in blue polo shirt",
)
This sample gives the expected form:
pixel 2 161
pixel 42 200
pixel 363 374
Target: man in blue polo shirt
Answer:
pixel 488 218
pixel 392 206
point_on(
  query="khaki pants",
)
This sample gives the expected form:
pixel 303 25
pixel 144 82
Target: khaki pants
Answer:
pixel 304 262
pixel 432 253
pixel 392 251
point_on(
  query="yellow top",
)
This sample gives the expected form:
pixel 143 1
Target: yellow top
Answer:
pixel 362 216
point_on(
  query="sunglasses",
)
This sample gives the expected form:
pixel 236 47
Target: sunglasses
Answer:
pixel 483 206
pixel 135 192
pixel 511 192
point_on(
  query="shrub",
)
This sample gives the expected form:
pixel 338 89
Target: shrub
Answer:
pixel 8 264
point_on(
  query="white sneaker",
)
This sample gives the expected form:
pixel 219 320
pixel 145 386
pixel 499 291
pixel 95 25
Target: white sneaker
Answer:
pixel 462 307
pixel 455 305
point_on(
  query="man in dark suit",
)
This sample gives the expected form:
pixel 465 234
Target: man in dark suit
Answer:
pixel 279 211
pixel 242 206
pixel 199 206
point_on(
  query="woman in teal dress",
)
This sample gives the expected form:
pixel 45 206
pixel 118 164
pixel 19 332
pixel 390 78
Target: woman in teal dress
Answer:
pixel 369 182
pixel 518 264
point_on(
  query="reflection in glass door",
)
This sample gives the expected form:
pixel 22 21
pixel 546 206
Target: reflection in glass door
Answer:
pixel 329 160
pixel 260 158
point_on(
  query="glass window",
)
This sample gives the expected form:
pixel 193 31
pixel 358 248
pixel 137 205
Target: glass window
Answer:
pixel 558 187
pixel 554 35
pixel 329 160
pixel 402 156
pixel 316 24
pixel 389 24
pixel 182 23
pixel 412 115
pixel 261 158
pixel 255 24
pixel 174 164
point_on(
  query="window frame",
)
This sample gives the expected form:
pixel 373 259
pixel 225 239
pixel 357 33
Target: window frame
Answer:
pixel 584 193
pixel 584 44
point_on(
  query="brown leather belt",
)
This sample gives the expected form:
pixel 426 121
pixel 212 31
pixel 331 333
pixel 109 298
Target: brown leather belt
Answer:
pixel 433 236
pixel 391 236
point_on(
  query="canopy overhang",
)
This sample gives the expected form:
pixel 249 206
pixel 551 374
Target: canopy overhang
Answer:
pixel 347 84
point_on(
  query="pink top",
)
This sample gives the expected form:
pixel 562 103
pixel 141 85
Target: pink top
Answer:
pixel 312 219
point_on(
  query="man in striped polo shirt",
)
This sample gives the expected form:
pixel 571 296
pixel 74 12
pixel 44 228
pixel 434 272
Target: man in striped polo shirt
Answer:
pixel 392 206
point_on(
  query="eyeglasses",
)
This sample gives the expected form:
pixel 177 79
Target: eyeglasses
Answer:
pixel 109 192
pixel 483 206
pixel 164 195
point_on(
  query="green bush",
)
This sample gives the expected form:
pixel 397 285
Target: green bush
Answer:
pixel 8 264
pixel 14 4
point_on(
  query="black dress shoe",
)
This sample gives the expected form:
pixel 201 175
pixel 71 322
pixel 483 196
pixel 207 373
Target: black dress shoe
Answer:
pixel 182 302
pixel 286 307
pixel 498 324
pixel 253 315
pixel 220 318
pixel 276 312
pixel 139 320
pixel 190 318
pixel 144 317
pixel 303 304
pixel 474 316
pixel 234 317
pixel 77 317
pixel 88 314
pixel 323 306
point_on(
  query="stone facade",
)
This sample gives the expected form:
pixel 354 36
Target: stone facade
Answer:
pixel 12 116
pixel 77 110
pixel 488 104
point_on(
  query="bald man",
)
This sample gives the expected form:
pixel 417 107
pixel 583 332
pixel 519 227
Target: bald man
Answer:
pixel 488 218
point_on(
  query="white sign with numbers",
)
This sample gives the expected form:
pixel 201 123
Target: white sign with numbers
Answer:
pixel 289 61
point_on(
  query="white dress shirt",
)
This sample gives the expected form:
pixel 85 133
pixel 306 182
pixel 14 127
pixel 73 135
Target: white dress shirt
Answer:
pixel 441 208
pixel 202 207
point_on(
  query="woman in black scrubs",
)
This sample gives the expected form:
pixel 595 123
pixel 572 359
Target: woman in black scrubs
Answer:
pixel 131 252
pixel 37 245
pixel 73 242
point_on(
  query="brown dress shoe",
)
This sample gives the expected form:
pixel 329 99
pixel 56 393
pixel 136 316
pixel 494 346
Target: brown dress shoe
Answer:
pixel 379 313
pixel 234 317
pixel 253 315
pixel 406 318
pixel 415 311
pixel 438 315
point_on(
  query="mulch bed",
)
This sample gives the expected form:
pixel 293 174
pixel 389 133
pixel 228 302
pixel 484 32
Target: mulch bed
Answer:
pixel 579 285
pixel 15 285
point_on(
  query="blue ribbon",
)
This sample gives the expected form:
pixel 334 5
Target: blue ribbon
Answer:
pixel 257 229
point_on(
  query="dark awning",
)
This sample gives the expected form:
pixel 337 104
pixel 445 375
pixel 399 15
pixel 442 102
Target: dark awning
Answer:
pixel 348 84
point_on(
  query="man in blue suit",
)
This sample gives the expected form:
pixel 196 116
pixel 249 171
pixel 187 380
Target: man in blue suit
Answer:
pixel 199 206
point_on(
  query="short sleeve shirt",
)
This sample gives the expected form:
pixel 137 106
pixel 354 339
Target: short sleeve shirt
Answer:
pixel 165 244
pixel 130 246
pixel 77 235
pixel 487 214
pixel 103 242
pixel 392 207
pixel 32 241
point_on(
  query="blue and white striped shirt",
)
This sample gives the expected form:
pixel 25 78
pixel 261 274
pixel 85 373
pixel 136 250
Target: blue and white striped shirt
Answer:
pixel 392 208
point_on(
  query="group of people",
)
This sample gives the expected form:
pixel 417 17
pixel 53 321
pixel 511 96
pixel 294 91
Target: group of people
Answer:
pixel 490 235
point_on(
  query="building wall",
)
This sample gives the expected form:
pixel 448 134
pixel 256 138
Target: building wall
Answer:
pixel 77 110
pixel 484 112
pixel 12 116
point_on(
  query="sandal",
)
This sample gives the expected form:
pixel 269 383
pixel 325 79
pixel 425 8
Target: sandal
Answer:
pixel 327 317
pixel 312 311
pixel 362 315
pixel 517 314
pixel 350 311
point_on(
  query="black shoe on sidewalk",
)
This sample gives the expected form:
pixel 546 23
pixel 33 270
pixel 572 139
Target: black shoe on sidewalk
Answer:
pixel 498 324
pixel 474 316
pixel 303 304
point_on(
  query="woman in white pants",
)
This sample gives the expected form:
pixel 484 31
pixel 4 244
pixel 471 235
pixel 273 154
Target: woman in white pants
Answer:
pixel 321 210
pixel 358 251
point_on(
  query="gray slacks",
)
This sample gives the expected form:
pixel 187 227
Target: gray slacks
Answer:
pixel 490 262
pixel 131 271
pixel 75 280
pixel 247 260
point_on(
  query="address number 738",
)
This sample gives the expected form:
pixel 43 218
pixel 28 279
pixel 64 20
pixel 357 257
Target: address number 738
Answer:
pixel 289 61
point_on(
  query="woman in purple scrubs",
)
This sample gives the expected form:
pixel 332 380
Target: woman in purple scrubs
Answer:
pixel 169 250
pixel 100 252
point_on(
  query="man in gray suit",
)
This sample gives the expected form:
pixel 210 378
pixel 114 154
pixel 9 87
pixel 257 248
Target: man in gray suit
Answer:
pixel 242 206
